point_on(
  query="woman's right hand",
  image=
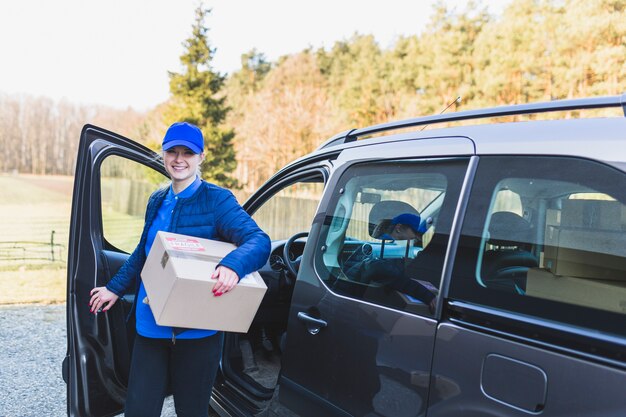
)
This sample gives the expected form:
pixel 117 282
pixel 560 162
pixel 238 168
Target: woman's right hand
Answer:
pixel 101 298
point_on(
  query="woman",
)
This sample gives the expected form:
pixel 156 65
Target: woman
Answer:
pixel 395 273
pixel 186 360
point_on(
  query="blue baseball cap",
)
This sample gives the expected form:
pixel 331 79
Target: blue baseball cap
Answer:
pixel 184 134
pixel 412 220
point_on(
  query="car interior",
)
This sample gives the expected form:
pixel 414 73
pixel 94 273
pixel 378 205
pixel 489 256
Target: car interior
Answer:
pixel 556 240
pixel 252 361
pixel 507 261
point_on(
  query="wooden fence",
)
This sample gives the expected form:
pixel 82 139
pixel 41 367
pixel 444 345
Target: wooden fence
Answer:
pixel 22 253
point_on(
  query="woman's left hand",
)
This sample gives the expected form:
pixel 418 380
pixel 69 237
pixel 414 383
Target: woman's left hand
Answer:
pixel 226 280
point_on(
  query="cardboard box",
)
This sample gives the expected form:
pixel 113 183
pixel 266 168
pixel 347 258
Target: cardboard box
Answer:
pixel 583 253
pixel 603 295
pixel 177 277
pixel 593 214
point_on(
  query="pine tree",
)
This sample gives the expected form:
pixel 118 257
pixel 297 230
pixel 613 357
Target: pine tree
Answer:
pixel 195 99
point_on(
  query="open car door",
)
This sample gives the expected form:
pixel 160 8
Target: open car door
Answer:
pixel 113 180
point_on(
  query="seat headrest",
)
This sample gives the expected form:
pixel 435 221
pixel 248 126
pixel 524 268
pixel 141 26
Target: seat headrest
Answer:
pixel 387 210
pixel 509 229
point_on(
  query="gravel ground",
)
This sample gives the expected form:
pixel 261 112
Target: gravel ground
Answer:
pixel 32 347
pixel 32 341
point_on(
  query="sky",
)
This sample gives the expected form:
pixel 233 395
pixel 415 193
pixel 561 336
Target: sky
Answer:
pixel 118 52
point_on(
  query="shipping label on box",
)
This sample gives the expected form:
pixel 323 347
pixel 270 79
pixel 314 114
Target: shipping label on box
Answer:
pixel 177 277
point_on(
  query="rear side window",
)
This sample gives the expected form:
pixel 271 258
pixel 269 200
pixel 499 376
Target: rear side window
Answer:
pixel 547 241
pixel 387 236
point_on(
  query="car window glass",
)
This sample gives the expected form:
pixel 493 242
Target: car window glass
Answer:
pixel 562 250
pixel 125 186
pixel 290 210
pixel 386 238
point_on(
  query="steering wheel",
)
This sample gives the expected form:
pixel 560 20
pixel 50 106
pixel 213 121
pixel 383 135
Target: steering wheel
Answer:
pixel 289 264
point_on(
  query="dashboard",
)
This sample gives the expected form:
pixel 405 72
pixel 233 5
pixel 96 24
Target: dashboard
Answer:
pixel 276 261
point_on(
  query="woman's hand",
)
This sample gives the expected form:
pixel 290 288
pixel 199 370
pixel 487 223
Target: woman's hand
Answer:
pixel 226 280
pixel 101 298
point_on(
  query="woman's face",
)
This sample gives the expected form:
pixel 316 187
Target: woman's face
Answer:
pixel 403 232
pixel 181 163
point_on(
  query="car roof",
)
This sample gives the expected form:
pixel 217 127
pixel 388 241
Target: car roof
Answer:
pixel 594 138
pixel 601 138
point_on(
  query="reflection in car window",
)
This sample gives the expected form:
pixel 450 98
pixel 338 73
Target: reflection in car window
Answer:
pixel 564 249
pixel 125 186
pixel 386 239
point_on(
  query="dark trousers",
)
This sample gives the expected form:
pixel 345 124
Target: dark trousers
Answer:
pixel 187 367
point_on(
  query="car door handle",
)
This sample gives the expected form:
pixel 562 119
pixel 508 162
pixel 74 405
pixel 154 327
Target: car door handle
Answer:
pixel 313 325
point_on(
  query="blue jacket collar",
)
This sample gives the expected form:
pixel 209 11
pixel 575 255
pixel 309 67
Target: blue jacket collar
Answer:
pixel 187 192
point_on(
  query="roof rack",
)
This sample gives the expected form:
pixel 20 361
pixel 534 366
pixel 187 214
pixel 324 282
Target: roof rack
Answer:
pixel 501 111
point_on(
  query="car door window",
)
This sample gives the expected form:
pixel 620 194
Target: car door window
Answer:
pixel 547 241
pixel 125 186
pixel 290 210
pixel 386 238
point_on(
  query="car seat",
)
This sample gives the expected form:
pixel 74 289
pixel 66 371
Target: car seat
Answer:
pixel 506 265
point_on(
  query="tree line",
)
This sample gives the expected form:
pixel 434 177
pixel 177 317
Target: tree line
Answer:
pixel 267 113
pixel 536 50
pixel 40 136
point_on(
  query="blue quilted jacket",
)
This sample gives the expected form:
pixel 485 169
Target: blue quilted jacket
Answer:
pixel 211 212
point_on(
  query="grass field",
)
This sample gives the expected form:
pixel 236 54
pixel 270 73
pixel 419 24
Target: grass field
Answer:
pixel 36 210
pixel 46 285
pixel 34 232
pixel 32 209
